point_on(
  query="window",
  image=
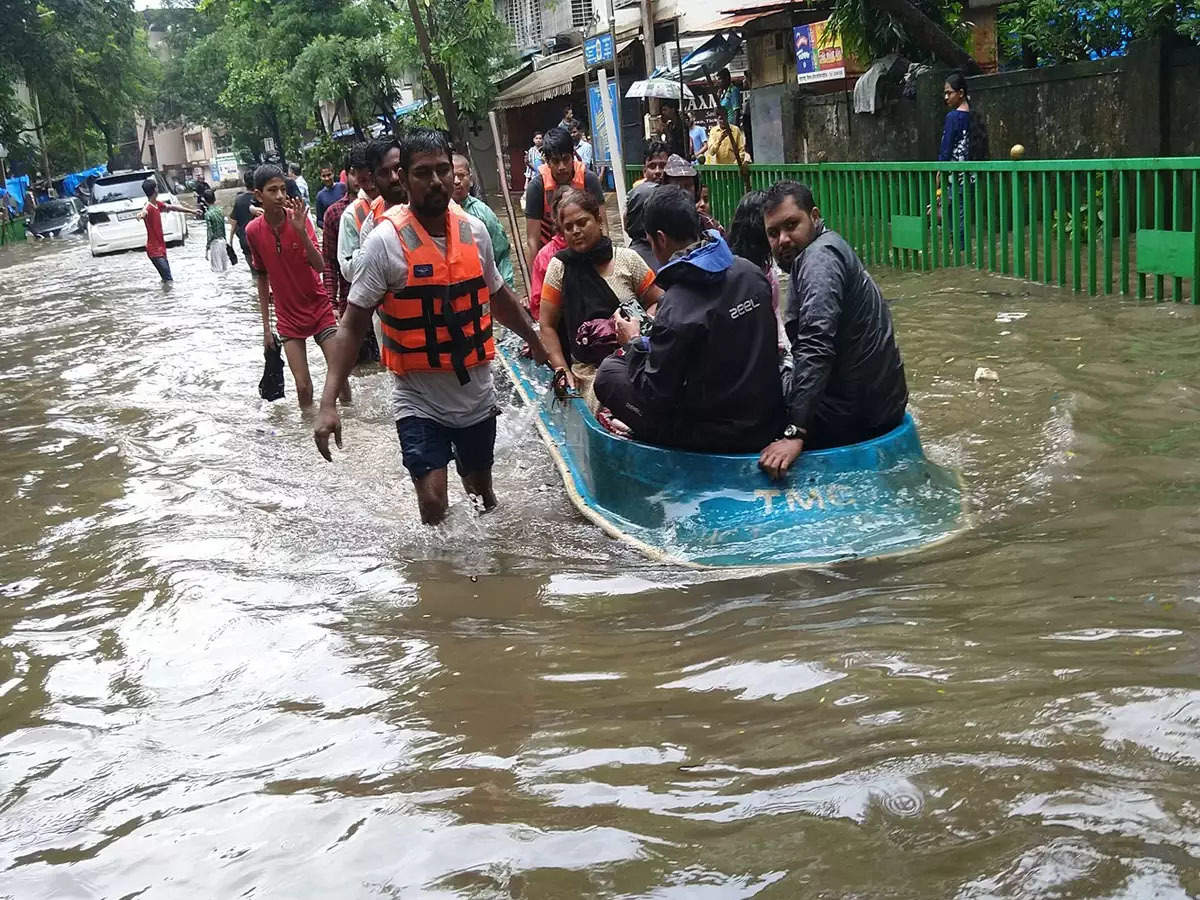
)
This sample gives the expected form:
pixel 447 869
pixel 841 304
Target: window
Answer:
pixel 524 17
pixel 195 144
pixel 581 13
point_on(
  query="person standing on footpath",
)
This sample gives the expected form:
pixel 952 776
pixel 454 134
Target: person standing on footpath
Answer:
pixel 287 265
pixel 427 262
pixel 501 249
pixel 562 167
pixel 151 214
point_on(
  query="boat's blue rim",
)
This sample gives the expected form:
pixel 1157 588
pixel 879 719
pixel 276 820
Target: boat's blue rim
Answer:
pixel 589 510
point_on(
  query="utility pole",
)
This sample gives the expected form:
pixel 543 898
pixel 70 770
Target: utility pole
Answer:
pixel 648 34
pixel 648 49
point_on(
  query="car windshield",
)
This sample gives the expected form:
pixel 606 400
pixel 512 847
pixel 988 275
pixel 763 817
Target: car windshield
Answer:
pixel 128 189
pixel 55 209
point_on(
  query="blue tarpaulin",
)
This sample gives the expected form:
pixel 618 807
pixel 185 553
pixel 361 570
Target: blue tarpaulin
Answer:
pixel 16 188
pixel 75 179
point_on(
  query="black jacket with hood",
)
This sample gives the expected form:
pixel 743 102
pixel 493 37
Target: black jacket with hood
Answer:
pixel 708 372
pixel 848 381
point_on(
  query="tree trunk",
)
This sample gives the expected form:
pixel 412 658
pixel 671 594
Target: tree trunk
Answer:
pixel 352 112
pixel 926 34
pixel 440 79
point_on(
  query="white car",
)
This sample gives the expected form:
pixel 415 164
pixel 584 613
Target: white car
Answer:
pixel 113 222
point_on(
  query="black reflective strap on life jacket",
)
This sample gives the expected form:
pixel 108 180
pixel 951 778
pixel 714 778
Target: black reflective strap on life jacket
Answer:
pixel 459 346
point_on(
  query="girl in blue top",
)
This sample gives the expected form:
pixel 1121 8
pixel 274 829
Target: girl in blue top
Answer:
pixel 964 138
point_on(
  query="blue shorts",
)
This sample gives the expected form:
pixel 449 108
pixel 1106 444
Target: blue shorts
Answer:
pixel 428 445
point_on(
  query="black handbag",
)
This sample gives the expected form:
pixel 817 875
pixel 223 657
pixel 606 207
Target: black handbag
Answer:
pixel 270 386
pixel 229 251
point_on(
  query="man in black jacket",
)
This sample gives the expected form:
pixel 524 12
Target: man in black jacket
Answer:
pixel 848 380
pixel 706 378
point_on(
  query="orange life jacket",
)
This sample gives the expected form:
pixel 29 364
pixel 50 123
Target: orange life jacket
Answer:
pixel 362 207
pixel 441 319
pixel 549 186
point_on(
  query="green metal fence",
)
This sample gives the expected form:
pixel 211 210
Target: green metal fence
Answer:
pixel 1129 226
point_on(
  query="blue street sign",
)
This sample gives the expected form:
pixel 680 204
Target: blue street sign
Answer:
pixel 598 50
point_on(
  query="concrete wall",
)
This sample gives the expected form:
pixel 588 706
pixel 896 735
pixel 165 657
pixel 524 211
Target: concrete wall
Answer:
pixel 1142 104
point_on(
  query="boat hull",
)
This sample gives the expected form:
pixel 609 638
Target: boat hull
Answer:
pixel 876 498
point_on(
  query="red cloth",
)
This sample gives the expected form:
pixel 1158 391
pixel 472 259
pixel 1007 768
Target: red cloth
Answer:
pixel 155 245
pixel 541 263
pixel 302 308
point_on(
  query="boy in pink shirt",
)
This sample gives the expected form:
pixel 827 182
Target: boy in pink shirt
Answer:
pixel 288 266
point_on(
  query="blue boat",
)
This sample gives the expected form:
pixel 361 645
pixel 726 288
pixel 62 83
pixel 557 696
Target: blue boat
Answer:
pixel 877 498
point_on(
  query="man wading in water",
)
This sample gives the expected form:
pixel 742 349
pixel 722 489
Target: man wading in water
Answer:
pixel 430 271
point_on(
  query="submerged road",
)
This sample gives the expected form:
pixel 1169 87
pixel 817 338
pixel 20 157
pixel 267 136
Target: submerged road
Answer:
pixel 228 668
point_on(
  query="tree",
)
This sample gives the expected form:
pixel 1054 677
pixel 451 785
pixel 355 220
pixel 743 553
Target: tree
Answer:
pixel 919 30
pixel 1048 32
pixel 464 46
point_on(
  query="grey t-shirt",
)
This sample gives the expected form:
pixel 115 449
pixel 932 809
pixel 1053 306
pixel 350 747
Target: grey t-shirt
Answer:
pixel 381 267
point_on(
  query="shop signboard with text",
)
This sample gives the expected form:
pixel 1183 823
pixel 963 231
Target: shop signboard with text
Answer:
pixel 600 149
pixel 818 53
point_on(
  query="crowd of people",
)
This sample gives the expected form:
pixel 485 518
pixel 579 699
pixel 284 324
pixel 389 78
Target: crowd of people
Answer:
pixel 676 335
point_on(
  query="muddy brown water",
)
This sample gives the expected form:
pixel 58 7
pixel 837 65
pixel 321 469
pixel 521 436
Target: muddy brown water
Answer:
pixel 228 668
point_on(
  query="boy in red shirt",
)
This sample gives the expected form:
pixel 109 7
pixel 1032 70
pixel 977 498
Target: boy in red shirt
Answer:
pixel 288 265
pixel 151 214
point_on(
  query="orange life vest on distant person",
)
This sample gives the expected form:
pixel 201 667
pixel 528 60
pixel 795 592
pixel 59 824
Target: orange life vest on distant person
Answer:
pixel 549 186
pixel 362 207
pixel 441 319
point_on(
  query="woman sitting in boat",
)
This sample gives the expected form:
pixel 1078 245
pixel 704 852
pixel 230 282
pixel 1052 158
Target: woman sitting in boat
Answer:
pixel 585 285
pixel 706 378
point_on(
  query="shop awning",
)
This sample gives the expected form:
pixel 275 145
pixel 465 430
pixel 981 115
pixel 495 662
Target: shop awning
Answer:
pixel 732 23
pixel 553 80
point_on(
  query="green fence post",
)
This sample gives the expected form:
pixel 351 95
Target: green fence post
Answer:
pixel 1160 213
pixel 1018 214
pixel 1076 236
pixel 1196 236
pixel 1123 228
pixel 1033 228
pixel 1138 216
pixel 1176 225
pixel 1047 230
pixel 1106 228
pixel 1061 227
pixel 1091 231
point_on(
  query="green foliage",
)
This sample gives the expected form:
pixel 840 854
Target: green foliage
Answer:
pixel 1047 32
pixel 89 64
pixel 868 33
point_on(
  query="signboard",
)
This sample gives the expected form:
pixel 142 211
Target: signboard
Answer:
pixel 601 154
pixel 227 166
pixel 818 53
pixel 598 50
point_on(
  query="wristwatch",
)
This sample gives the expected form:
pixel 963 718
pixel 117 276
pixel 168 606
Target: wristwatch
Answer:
pixel 794 431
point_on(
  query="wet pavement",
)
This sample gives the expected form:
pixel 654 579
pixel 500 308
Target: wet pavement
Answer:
pixel 228 668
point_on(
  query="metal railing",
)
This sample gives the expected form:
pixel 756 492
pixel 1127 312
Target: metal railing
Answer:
pixel 1128 226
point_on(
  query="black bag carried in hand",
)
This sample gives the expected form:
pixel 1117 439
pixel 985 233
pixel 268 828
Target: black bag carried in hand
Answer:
pixel 231 254
pixel 270 387
pixel 368 350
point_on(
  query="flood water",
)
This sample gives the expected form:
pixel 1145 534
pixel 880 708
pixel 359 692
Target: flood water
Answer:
pixel 228 668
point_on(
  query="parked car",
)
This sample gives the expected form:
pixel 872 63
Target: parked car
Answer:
pixel 58 217
pixel 113 222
